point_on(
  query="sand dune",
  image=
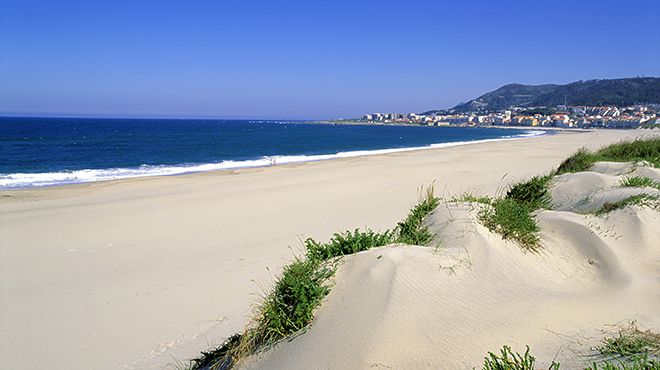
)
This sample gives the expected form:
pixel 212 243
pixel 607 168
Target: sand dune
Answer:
pixel 589 191
pixel 134 274
pixel 446 306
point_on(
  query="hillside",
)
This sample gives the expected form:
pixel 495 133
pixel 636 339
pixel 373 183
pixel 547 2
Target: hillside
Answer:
pixel 624 91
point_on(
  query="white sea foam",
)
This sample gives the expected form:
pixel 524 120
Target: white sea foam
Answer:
pixel 28 180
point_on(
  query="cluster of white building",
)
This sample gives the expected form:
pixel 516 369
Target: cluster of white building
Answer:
pixel 563 116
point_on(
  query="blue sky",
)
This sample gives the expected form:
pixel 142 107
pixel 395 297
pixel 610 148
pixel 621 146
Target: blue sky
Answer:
pixel 306 59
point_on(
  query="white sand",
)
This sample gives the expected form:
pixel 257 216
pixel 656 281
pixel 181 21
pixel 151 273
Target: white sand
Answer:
pixel 131 274
pixel 446 306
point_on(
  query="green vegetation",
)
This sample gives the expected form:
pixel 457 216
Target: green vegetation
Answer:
pixel 642 200
pixel 631 341
pixel 210 358
pixel 410 230
pixel 630 349
pixel 471 198
pixel 289 308
pixel 512 217
pixel 637 363
pixel 625 345
pixel 581 161
pixel 640 182
pixel 533 194
pixel 508 360
pixel 513 221
pixel 347 242
pixel 631 151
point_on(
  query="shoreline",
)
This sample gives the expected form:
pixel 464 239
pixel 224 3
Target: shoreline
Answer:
pixel 112 174
pixel 140 272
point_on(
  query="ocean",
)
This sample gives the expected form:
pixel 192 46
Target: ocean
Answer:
pixel 53 151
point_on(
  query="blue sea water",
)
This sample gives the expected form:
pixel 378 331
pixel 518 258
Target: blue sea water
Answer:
pixel 52 151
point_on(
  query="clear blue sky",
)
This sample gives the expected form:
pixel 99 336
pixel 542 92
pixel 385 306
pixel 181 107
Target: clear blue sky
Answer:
pixel 306 59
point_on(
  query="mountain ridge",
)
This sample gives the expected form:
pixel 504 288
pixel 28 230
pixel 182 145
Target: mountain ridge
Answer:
pixel 620 92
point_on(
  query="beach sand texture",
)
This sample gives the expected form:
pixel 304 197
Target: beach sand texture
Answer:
pixel 445 306
pixel 133 274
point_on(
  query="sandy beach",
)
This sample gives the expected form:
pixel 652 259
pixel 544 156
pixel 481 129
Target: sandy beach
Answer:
pixel 140 273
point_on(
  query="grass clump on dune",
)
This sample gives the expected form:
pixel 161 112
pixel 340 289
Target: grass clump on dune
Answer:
pixel 642 200
pixel 631 341
pixel 508 360
pixel 513 221
pixel 639 182
pixel 637 363
pixel 347 242
pixel 209 359
pixel 630 349
pixel 533 193
pixel 471 198
pixel 581 161
pixel 289 307
pixel 285 310
pixel 512 216
pixel 630 151
pixel 411 230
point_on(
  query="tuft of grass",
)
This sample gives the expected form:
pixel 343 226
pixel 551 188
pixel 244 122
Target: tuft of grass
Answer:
pixel 411 230
pixel 511 216
pixel 631 341
pixel 471 198
pixel 533 193
pixel 508 360
pixel 289 307
pixel 629 151
pixel 642 200
pixel 347 242
pixel 581 161
pixel 219 358
pixel 513 221
pixel 637 363
pixel 639 182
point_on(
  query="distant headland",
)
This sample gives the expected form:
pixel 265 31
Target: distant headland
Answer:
pixel 615 103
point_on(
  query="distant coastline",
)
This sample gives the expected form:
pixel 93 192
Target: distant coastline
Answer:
pixel 363 123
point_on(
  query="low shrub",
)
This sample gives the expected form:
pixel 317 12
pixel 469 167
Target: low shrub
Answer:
pixel 347 242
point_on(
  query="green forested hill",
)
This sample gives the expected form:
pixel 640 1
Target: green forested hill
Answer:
pixel 624 91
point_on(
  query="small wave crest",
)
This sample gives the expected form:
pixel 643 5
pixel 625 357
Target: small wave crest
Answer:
pixel 29 180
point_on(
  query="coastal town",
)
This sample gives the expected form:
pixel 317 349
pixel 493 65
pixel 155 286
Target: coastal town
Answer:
pixel 561 116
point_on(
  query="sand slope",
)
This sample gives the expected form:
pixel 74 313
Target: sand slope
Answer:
pixel 446 306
